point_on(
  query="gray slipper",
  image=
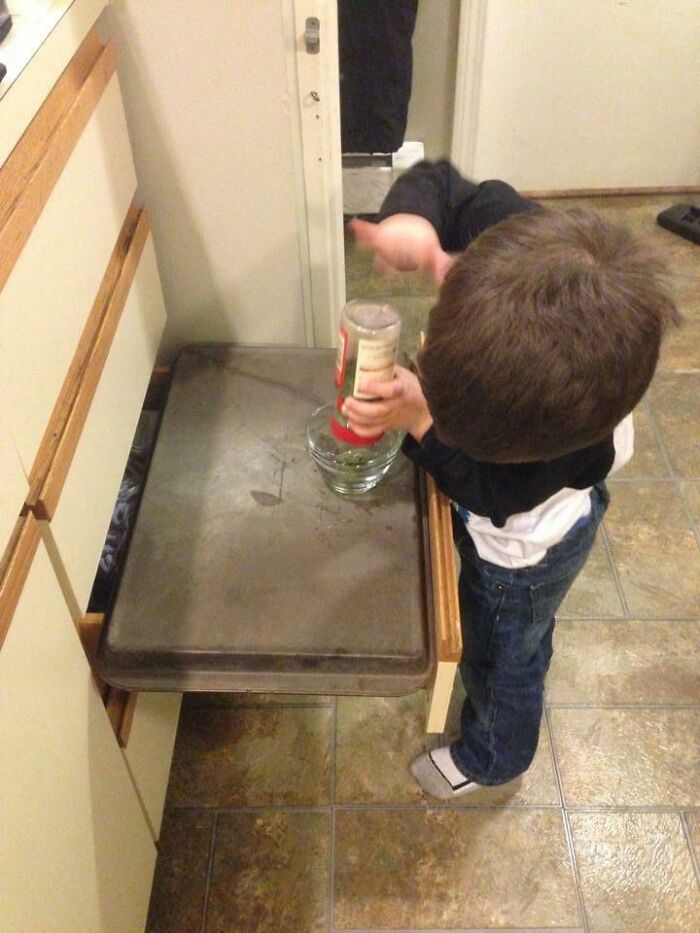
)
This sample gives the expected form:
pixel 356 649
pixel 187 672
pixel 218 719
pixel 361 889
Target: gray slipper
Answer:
pixel 425 769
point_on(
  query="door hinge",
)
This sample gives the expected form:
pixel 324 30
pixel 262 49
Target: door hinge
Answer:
pixel 312 35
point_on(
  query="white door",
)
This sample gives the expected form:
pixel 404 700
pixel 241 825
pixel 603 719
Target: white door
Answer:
pixel 590 94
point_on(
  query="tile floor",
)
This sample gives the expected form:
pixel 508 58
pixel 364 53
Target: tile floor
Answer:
pixel 294 814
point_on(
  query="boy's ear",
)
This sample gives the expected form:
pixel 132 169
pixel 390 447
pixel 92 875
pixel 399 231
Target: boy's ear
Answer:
pixel 441 263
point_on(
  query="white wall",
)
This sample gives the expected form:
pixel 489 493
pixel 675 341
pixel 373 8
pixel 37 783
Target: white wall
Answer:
pixel 209 114
pixel 587 94
pixel 434 70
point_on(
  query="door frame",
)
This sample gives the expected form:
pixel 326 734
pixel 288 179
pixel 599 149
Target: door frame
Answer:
pixel 470 59
pixel 313 82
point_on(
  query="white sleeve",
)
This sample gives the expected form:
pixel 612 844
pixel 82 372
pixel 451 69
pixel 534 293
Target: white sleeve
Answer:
pixel 623 440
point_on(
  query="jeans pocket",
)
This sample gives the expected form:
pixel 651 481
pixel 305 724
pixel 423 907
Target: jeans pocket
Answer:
pixel 546 598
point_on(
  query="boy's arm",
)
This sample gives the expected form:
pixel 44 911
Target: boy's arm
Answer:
pixel 456 474
pixel 499 490
pixel 458 209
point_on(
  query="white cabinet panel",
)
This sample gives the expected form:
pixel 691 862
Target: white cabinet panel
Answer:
pixel 75 852
pixel 79 525
pixel 49 294
pixel 149 750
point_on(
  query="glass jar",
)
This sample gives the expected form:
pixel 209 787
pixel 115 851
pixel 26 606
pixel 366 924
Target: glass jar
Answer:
pixel 368 342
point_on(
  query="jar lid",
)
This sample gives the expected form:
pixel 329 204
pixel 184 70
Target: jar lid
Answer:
pixel 371 315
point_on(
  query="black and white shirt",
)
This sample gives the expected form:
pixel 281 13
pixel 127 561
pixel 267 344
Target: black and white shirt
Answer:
pixel 514 511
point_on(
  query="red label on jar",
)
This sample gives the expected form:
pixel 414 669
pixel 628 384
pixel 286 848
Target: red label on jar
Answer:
pixel 349 436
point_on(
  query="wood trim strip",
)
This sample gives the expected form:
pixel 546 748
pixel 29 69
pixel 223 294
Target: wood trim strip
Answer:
pixel 130 700
pixel 33 176
pixel 442 561
pixel 609 192
pixel 439 696
pixel 17 570
pixel 61 438
pixel 6 556
pixel 121 706
pixel 448 629
pixel 90 630
pixel 114 704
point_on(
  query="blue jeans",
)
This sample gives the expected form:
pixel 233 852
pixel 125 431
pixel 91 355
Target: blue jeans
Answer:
pixel 507 625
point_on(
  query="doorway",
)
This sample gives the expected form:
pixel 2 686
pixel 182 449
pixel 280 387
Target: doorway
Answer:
pixel 397 70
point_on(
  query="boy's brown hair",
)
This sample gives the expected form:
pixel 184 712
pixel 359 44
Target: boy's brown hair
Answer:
pixel 545 335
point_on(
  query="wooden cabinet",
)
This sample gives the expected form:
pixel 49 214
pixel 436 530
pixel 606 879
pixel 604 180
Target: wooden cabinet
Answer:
pixel 81 317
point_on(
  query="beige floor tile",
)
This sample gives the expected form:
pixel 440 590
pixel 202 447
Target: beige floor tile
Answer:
pixel 681 351
pixel 270 873
pixel 648 461
pixel 636 873
pixel 252 757
pixel 675 401
pixel 623 661
pixel 691 494
pixel 414 318
pixel 628 757
pixel 635 211
pixel 378 738
pixel 655 550
pixel 363 282
pixel 201 700
pixel 452 868
pixel 179 884
pixel 594 592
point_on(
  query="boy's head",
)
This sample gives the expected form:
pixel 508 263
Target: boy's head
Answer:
pixel 545 335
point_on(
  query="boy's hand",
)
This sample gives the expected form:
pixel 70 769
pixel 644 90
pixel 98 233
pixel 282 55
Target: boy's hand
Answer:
pixel 403 243
pixel 400 405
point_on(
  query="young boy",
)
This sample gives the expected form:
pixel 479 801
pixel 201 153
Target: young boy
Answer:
pixel 545 336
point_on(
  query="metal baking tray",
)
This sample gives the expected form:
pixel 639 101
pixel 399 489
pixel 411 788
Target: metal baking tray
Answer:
pixel 244 571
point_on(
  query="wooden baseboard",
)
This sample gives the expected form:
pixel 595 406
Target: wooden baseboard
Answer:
pixel 608 192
